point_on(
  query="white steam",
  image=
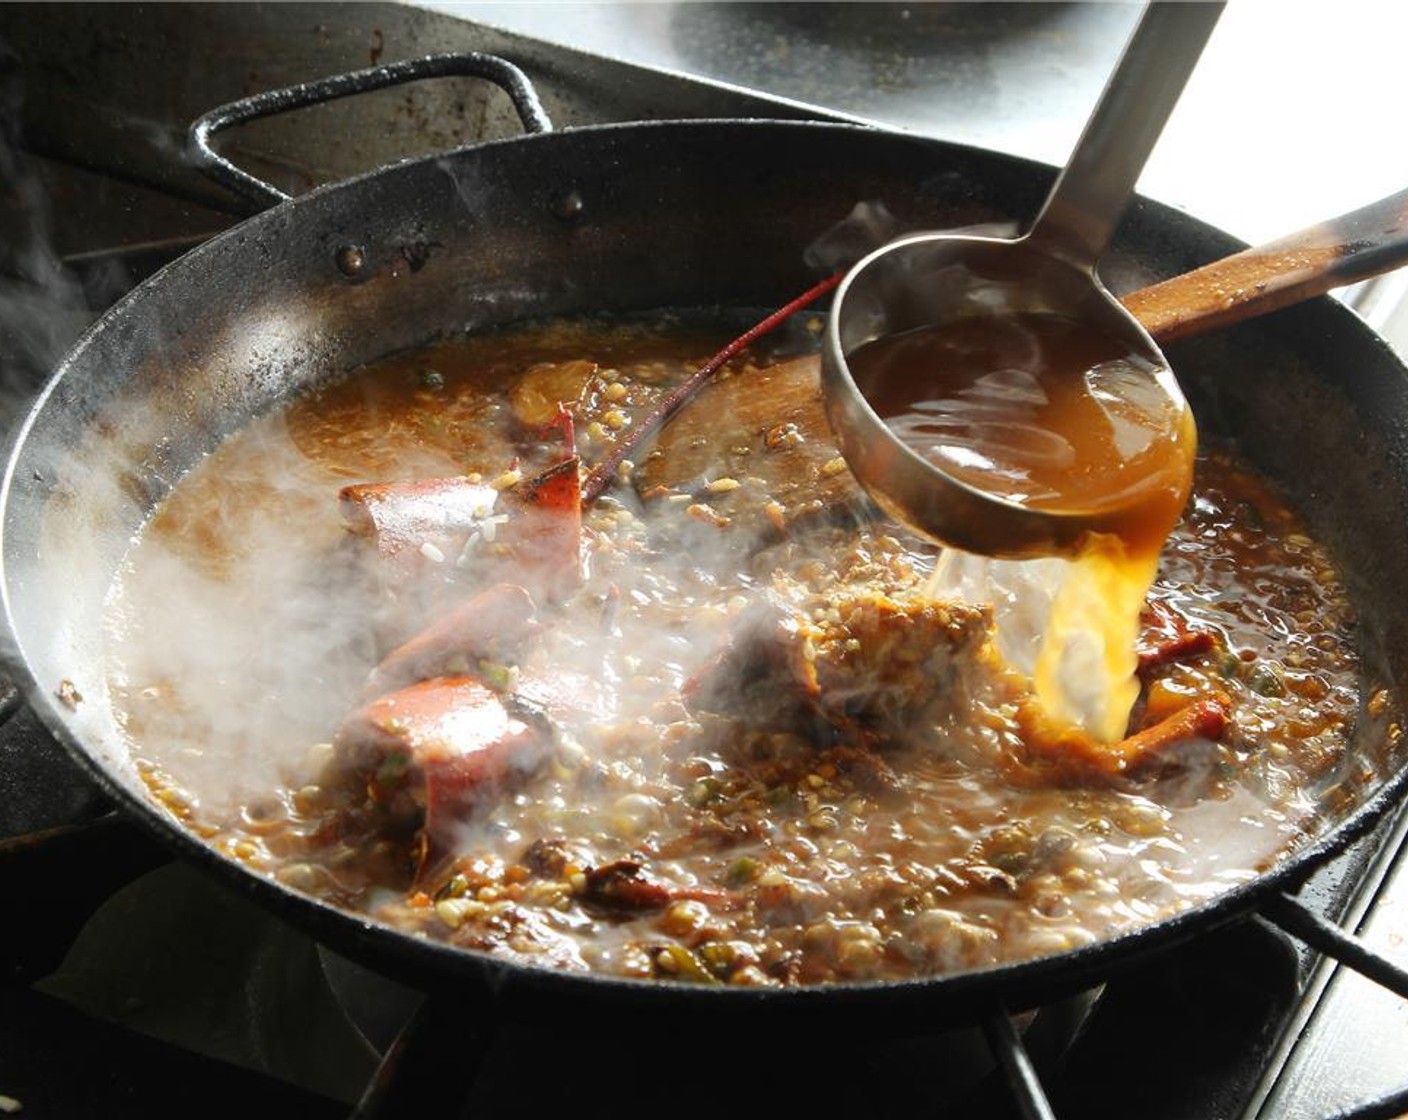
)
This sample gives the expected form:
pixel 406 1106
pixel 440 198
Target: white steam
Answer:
pixel 42 308
pixel 238 632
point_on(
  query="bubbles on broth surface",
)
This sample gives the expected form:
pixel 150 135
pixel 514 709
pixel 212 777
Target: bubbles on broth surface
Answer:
pixel 786 841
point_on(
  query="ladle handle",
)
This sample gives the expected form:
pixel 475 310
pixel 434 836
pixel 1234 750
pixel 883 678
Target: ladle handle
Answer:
pixel 1355 246
pixel 1084 206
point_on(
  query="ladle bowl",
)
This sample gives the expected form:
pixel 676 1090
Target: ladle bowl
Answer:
pixel 927 278
pixel 931 279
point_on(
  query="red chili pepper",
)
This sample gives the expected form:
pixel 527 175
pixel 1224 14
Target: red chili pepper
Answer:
pixel 1203 719
pixel 1168 637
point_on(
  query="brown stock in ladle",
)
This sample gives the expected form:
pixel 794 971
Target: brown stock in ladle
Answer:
pixel 1356 246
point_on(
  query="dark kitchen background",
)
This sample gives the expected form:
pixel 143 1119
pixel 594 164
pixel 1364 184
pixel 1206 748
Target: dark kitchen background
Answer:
pixel 132 983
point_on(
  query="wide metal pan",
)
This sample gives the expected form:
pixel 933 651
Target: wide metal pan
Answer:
pixel 622 218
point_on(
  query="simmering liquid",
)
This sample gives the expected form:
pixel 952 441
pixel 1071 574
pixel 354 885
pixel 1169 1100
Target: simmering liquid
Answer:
pixel 1047 412
pixel 775 760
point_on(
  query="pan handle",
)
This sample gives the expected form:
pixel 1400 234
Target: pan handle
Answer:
pixel 501 72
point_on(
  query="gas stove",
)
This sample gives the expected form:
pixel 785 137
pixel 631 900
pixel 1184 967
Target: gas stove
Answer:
pixel 139 982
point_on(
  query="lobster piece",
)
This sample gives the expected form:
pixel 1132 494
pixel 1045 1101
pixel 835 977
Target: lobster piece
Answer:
pixel 438 750
pixel 431 753
pixel 874 671
pixel 435 537
pixel 492 626
pixel 1203 719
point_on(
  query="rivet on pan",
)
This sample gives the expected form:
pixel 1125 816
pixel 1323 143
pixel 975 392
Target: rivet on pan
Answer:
pixel 351 261
pixel 568 206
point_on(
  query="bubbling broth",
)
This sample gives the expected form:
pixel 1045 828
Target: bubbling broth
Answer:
pixel 713 728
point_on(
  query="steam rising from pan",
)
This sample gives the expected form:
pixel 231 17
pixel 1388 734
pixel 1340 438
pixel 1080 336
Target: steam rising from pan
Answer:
pixel 249 549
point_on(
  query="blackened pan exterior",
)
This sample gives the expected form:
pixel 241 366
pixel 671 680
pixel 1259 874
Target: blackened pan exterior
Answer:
pixel 627 218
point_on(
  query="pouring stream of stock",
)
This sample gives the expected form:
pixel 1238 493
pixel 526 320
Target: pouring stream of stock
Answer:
pixel 995 396
pixel 1355 246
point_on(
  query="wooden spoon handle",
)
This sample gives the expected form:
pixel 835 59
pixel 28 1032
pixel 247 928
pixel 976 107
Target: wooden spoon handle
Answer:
pixel 1354 246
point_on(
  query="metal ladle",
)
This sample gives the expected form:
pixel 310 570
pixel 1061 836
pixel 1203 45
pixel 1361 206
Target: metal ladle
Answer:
pixel 932 278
